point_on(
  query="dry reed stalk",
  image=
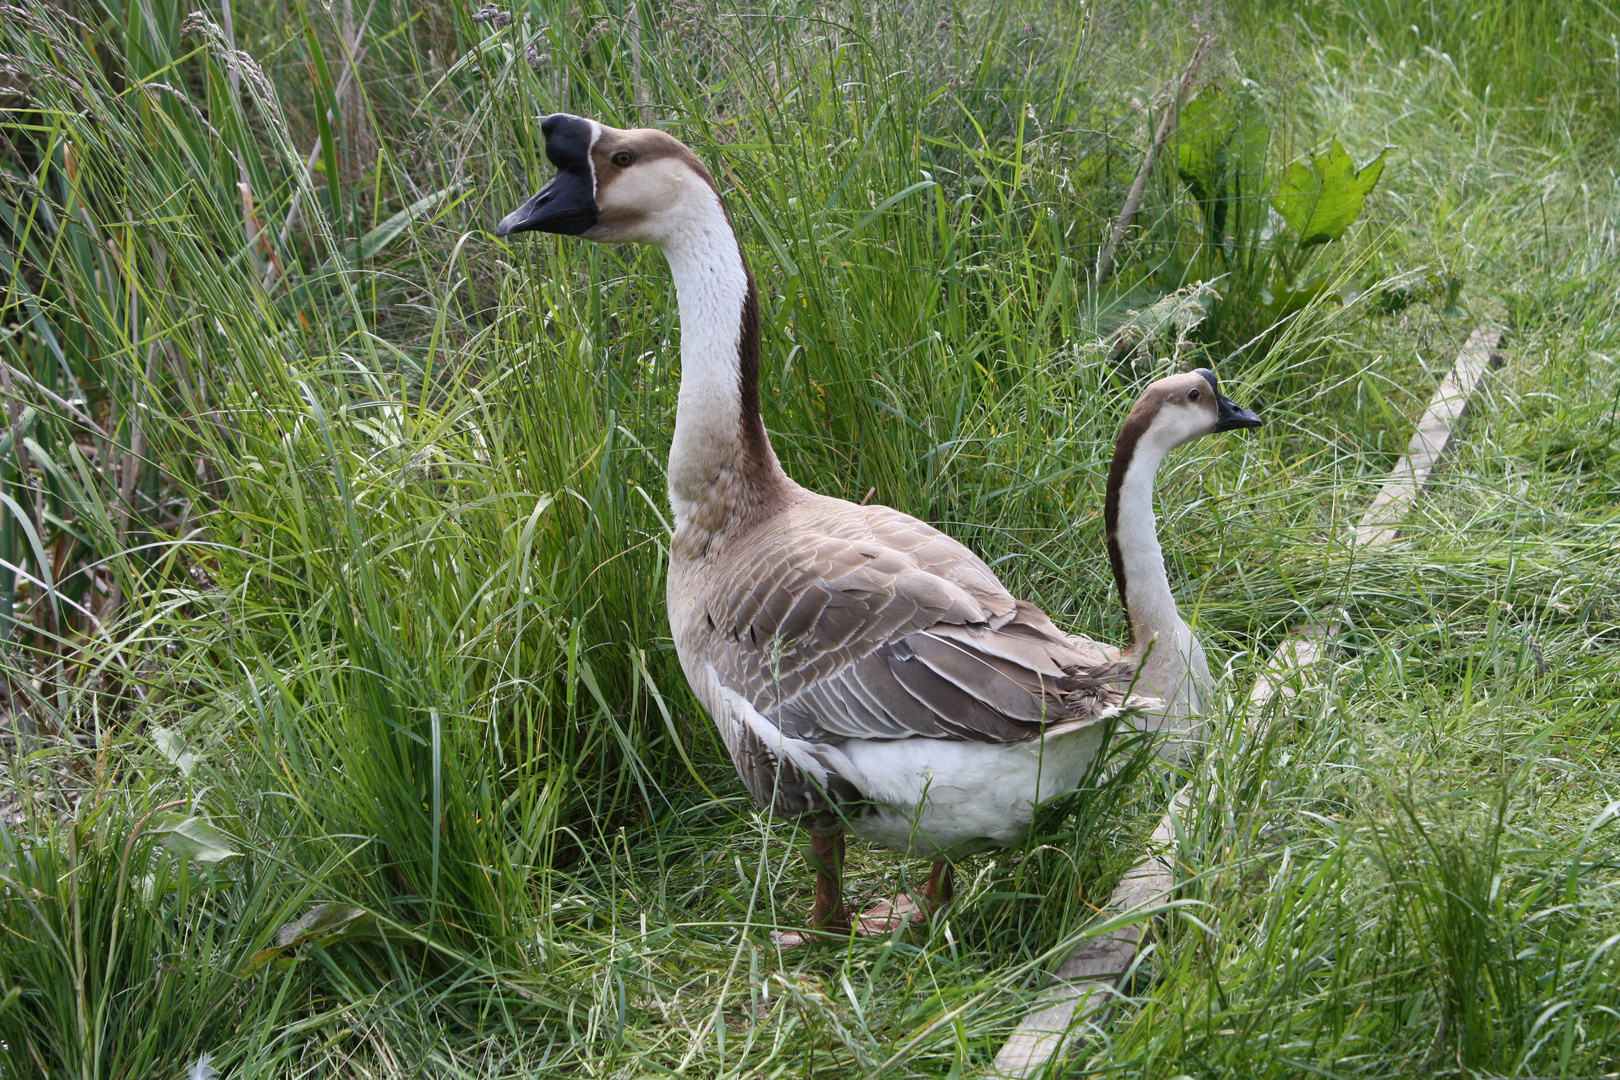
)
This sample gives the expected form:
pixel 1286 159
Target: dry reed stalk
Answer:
pixel 1133 200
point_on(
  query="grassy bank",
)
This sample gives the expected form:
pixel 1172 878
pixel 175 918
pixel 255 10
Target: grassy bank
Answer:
pixel 343 732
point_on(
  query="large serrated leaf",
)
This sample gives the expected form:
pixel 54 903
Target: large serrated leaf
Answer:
pixel 1321 195
pixel 1220 154
pixel 1204 125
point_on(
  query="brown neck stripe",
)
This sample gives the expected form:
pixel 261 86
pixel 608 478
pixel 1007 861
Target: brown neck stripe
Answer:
pixel 755 446
pixel 1130 435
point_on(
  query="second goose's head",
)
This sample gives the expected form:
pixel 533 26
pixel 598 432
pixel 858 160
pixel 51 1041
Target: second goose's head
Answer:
pixel 1178 409
pixel 616 186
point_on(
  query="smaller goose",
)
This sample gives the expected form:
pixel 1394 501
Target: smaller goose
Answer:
pixel 1170 662
pixel 865 671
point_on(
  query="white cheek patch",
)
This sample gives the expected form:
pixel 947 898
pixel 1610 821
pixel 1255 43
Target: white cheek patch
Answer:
pixel 652 195
pixel 590 155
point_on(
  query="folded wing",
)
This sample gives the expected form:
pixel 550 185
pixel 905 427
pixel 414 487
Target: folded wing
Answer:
pixel 881 627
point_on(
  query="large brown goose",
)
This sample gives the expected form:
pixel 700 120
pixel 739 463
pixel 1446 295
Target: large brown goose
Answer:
pixel 865 671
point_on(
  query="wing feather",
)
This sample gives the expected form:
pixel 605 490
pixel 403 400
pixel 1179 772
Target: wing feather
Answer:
pixel 1009 689
pixel 863 623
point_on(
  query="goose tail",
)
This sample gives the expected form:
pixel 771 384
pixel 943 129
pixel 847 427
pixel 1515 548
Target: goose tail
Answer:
pixel 1098 693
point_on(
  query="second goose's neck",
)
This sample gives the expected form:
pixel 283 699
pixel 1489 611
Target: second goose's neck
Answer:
pixel 721 466
pixel 1133 540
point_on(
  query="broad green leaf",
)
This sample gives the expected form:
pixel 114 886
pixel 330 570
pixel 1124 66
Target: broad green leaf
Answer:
pixel 173 746
pixel 1281 300
pixel 323 924
pixel 1321 195
pixel 1246 151
pixel 1221 143
pixel 1203 127
pixel 195 839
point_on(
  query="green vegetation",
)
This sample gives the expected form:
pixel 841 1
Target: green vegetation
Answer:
pixel 342 730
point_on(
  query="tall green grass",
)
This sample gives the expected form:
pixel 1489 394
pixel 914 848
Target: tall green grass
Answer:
pixel 340 533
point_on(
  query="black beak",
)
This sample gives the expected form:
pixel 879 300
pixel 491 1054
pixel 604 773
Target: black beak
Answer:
pixel 567 205
pixel 1228 413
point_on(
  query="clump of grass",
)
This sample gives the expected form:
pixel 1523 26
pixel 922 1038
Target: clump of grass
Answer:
pixel 1532 60
pixel 123 950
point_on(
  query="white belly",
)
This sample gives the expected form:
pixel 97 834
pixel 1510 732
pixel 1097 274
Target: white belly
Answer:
pixel 941 798
pixel 927 798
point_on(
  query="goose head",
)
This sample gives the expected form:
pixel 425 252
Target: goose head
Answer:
pixel 1180 408
pixel 615 185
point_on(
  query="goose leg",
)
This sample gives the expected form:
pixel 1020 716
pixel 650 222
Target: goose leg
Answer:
pixel 829 915
pixel 941 887
pixel 885 915
pixel 827 860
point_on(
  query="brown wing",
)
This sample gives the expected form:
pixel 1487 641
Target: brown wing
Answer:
pixel 868 624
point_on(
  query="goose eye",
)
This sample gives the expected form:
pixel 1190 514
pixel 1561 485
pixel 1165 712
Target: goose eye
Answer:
pixel 622 158
pixel 1192 395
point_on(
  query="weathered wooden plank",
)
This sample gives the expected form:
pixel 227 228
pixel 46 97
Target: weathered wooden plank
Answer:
pixel 1089 978
pixel 1440 423
pixel 1302 649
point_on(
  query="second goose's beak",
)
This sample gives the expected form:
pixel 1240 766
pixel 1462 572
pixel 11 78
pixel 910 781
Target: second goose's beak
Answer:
pixel 1229 414
pixel 567 205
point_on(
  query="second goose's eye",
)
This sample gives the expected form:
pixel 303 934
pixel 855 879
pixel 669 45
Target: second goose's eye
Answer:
pixel 1193 394
pixel 622 158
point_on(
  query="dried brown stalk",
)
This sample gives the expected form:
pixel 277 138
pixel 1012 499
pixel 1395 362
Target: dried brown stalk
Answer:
pixel 1133 201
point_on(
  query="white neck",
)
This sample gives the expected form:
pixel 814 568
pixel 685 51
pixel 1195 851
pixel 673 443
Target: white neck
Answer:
pixel 711 285
pixel 1144 583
